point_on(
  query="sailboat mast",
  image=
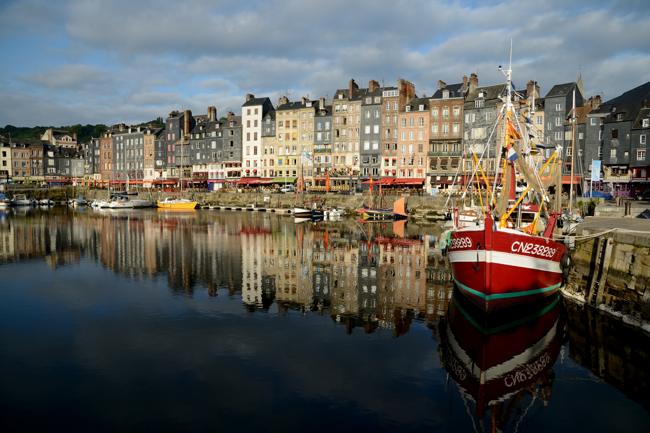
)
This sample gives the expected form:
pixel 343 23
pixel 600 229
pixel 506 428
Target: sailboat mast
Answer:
pixel 573 149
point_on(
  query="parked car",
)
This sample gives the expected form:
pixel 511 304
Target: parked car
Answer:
pixel 288 188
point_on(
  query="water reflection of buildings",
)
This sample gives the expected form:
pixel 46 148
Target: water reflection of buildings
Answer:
pixel 360 279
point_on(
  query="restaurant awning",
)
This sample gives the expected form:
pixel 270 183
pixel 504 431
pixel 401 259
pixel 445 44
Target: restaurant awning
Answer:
pixel 254 181
pixel 418 181
pixel 284 180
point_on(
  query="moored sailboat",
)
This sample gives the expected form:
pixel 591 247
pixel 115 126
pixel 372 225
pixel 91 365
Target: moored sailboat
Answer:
pixel 503 260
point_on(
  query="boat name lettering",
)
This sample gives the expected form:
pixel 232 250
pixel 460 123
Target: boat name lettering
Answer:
pixel 464 242
pixel 528 371
pixel 531 248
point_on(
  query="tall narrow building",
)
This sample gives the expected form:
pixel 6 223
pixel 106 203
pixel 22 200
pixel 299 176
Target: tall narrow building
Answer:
pixel 253 111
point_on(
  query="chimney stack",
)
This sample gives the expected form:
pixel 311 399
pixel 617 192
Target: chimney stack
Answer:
pixel 249 96
pixel 321 103
pixel 373 85
pixel 464 81
pixel 473 82
pixel 532 89
pixel 283 100
pixel 212 113
pixel 186 123
pixel 305 100
pixel 595 101
pixel 230 116
pixel 352 88
pixel 441 84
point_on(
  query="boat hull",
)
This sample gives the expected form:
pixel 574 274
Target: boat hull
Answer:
pixel 177 206
pixel 500 269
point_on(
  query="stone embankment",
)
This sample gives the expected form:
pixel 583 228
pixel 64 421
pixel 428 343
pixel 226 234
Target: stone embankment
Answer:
pixel 423 209
pixel 611 267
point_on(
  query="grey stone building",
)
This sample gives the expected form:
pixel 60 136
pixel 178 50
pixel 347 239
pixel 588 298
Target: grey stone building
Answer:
pixel 370 131
pixel 625 127
pixel 91 151
pixel 205 144
pixel 593 148
pixel 128 153
pixel 481 108
pixel 232 138
pixel 558 104
pixel 322 138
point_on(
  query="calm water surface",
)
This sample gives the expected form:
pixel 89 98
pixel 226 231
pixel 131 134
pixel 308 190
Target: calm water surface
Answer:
pixel 211 321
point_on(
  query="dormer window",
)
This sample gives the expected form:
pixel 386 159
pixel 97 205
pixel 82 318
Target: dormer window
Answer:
pixel 340 95
pixel 369 100
pixel 445 94
pixel 645 123
pixel 421 107
pixel 408 108
pixel 478 103
pixel 619 117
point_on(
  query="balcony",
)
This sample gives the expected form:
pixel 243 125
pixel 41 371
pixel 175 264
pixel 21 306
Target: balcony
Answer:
pixel 449 153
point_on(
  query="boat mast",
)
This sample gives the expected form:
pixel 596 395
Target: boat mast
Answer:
pixel 573 149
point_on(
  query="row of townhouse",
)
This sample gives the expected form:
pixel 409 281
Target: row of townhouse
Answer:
pixel 39 162
pixel 379 133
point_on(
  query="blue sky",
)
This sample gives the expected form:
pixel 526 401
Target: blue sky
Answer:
pixel 109 61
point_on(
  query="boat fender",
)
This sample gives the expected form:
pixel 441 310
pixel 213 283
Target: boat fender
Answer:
pixel 565 265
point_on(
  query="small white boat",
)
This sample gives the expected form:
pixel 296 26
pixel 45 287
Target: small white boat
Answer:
pixel 22 200
pixel 45 202
pixel 124 202
pixel 333 214
pixel 301 212
pixel 78 202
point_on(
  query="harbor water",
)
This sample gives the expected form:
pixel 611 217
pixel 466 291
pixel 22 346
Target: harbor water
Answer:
pixel 241 321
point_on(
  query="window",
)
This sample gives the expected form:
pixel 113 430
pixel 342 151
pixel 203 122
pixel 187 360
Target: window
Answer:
pixel 558 107
pixel 445 129
pixel 558 121
pixel 478 103
pixel 642 139
pixel 614 133
pixel 645 123
pixel 456 111
pixel 366 129
pixel 434 112
pixel 456 128
pixel 593 121
pixel 539 120
pixel 612 153
pixel 640 155
pixel 434 128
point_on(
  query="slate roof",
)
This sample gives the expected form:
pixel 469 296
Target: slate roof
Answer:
pixel 256 101
pixel 490 92
pixel 455 91
pixel 416 102
pixel 629 104
pixel 561 90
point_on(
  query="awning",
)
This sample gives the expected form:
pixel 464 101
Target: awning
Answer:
pixel 284 180
pixel 566 180
pixel 254 181
pixel 409 182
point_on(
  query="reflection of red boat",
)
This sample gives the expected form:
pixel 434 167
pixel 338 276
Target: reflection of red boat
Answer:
pixel 397 213
pixel 494 362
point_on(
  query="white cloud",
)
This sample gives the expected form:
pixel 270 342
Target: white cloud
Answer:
pixel 161 55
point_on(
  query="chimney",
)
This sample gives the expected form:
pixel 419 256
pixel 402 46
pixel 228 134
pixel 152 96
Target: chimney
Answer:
pixel 212 113
pixel 305 100
pixel 594 102
pixel 441 84
pixel 473 82
pixel 532 88
pixel 186 123
pixel 321 103
pixel 352 87
pixel 283 100
pixel 464 81
pixel 230 116
pixel 373 85
pixel 249 96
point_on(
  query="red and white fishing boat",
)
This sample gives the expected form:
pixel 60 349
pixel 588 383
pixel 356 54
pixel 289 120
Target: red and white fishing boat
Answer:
pixel 505 260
